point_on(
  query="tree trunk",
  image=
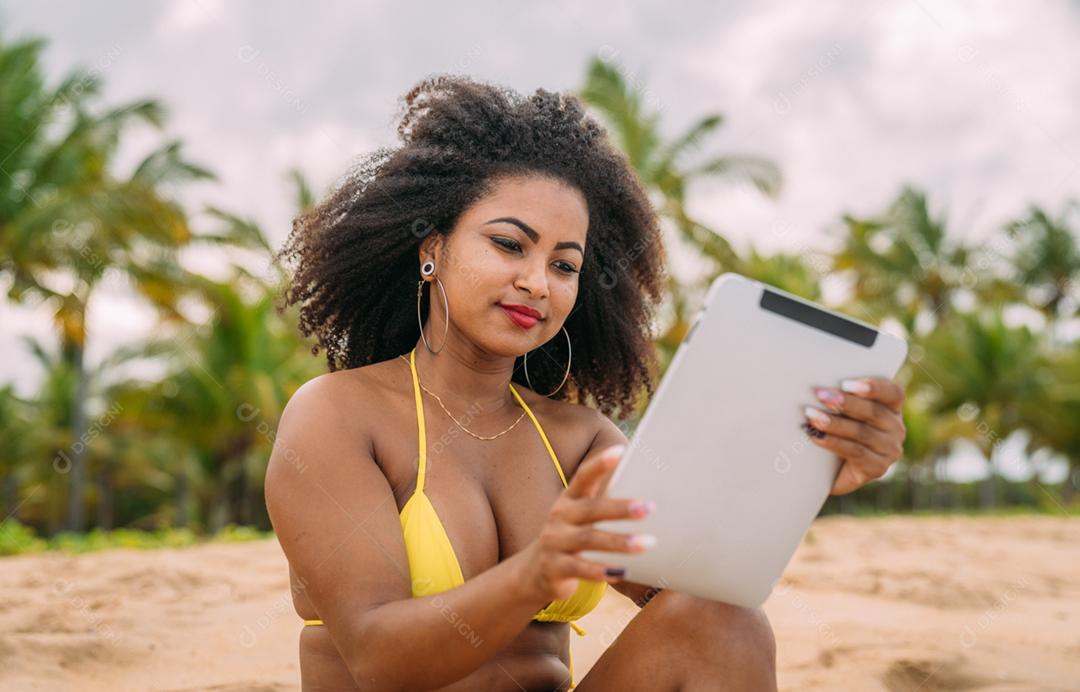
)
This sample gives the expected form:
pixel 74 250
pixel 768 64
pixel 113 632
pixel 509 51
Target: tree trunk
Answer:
pixel 180 520
pixel 105 508
pixel 55 503
pixel 1068 488
pixel 912 487
pixel 243 509
pixel 882 495
pixel 940 485
pixel 77 481
pixel 11 496
pixel 987 489
pixel 220 511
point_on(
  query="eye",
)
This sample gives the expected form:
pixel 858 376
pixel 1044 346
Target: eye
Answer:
pixel 514 246
pixel 507 243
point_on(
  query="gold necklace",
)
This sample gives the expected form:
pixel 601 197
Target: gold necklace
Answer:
pixel 479 437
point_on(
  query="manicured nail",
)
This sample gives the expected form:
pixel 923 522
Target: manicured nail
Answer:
pixel 855 387
pixel 641 509
pixel 829 397
pixel 818 415
pixel 615 571
pixel 641 541
pixel 812 431
pixel 611 456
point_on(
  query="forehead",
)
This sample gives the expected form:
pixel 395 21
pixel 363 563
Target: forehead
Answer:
pixel 550 206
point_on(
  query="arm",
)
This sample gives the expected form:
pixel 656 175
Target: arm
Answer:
pixel 334 514
pixel 609 434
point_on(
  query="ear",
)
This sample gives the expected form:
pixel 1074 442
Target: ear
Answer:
pixel 431 248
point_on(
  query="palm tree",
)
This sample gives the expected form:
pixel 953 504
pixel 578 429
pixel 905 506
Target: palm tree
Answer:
pixel 664 169
pixel 979 375
pixel 1044 265
pixel 19 438
pixel 45 457
pixel 926 446
pixel 63 212
pixel 228 377
pixel 796 274
pixel 903 264
pixel 1051 417
pixel 1046 262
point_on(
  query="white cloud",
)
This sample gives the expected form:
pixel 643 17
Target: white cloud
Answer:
pixel 182 16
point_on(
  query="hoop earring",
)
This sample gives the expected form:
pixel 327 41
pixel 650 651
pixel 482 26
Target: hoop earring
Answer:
pixel 570 357
pixel 427 269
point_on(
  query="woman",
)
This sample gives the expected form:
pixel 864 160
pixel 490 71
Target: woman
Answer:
pixel 432 491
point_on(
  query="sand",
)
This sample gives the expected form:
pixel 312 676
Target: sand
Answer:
pixel 900 603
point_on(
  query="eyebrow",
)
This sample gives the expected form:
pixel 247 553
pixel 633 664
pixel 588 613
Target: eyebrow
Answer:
pixel 533 235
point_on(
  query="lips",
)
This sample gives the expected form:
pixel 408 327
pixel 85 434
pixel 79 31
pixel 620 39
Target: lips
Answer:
pixel 523 309
pixel 521 315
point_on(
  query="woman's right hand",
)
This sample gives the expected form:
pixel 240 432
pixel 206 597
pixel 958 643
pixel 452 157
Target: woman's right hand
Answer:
pixel 552 566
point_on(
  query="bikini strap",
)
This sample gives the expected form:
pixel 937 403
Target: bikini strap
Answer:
pixel 421 471
pixel 551 452
pixel 421 466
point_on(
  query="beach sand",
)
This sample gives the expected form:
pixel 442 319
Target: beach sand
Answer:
pixel 898 603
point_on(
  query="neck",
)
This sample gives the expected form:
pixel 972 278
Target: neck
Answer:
pixel 466 379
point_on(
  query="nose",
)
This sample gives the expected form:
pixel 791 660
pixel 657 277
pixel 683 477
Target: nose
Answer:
pixel 533 280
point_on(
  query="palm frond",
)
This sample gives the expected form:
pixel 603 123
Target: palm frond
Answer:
pixel 760 172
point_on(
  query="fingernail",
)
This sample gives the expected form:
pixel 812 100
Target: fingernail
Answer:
pixel 616 450
pixel 641 509
pixel 817 415
pixel 829 397
pixel 812 431
pixel 855 387
pixel 641 541
pixel 615 571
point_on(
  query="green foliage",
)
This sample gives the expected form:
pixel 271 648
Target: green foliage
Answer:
pixel 18 539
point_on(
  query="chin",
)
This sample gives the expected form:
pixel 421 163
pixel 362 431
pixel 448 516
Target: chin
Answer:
pixel 499 345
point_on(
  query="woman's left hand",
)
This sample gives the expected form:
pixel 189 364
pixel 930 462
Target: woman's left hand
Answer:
pixel 864 425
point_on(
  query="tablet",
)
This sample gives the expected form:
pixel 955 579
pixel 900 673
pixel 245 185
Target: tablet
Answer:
pixel 721 448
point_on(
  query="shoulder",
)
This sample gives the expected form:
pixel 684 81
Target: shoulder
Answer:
pixel 338 402
pixel 563 415
pixel 326 396
pixel 325 433
pixel 608 434
pixel 362 385
pixel 592 430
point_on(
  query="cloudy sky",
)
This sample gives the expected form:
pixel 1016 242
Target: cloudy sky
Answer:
pixel 977 103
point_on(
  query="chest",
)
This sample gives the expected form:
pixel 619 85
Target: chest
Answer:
pixel 491 496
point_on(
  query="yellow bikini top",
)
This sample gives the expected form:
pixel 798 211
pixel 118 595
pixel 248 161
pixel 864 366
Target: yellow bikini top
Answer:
pixel 433 563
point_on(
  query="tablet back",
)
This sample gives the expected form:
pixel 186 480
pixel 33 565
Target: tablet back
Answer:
pixel 721 449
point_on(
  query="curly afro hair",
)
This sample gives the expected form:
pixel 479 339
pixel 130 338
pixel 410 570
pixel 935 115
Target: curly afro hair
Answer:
pixel 354 257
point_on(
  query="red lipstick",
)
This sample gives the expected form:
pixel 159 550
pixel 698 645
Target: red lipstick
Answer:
pixel 522 315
